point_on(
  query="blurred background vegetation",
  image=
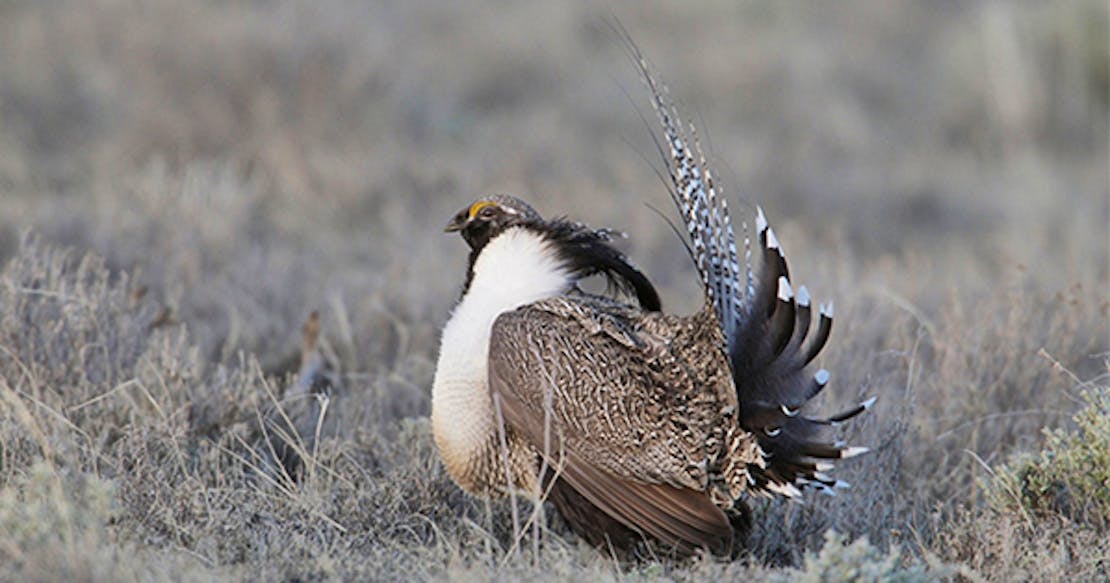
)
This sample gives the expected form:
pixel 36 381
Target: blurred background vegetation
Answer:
pixel 939 169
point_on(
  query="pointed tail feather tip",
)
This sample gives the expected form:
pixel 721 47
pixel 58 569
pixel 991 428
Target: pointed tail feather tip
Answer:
pixel 788 490
pixel 850 452
pixel 803 296
pixel 785 292
pixel 772 241
pixel 760 220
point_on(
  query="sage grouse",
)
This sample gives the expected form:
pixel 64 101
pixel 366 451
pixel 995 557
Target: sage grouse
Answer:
pixel 634 423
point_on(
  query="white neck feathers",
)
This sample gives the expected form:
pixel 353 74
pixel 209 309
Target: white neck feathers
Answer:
pixel 517 267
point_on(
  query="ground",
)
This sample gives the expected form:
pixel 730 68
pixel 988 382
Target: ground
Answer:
pixel 183 183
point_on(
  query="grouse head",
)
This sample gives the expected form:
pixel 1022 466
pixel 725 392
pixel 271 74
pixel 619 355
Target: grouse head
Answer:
pixel 581 250
pixel 490 216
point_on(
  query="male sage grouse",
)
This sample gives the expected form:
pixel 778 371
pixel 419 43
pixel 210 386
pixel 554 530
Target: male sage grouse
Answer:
pixel 634 423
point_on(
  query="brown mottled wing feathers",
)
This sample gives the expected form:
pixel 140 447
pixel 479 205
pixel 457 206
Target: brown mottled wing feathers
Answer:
pixel 683 518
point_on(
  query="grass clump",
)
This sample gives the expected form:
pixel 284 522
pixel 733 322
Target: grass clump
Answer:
pixel 57 527
pixel 40 510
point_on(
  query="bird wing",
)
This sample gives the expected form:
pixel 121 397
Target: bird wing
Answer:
pixel 593 386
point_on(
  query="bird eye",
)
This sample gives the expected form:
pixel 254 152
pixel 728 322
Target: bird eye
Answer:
pixel 488 213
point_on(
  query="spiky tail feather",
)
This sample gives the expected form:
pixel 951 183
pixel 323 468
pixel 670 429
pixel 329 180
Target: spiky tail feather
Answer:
pixel 765 321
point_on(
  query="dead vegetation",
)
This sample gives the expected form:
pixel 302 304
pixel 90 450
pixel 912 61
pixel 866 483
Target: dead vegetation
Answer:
pixel 223 275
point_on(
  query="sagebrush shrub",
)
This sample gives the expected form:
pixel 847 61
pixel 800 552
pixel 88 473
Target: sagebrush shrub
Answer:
pixel 1070 477
pixel 840 560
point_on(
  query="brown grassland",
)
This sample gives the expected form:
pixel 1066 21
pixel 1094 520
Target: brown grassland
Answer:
pixel 183 183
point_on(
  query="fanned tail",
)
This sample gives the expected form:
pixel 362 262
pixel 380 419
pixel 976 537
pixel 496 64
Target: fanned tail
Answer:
pixel 766 322
pixel 770 364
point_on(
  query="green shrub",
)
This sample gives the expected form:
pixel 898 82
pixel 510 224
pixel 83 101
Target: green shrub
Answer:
pixel 1070 477
pixel 859 561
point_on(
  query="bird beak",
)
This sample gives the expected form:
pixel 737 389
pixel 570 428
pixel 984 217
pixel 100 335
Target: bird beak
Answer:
pixel 457 223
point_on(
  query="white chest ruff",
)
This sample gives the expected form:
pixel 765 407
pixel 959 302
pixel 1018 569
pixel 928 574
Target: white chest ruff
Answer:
pixel 516 268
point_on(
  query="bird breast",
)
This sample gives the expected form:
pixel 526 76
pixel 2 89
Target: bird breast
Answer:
pixel 516 268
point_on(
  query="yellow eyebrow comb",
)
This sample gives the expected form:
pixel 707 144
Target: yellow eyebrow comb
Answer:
pixel 478 206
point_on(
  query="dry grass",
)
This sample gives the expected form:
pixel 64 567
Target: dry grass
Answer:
pixel 199 177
